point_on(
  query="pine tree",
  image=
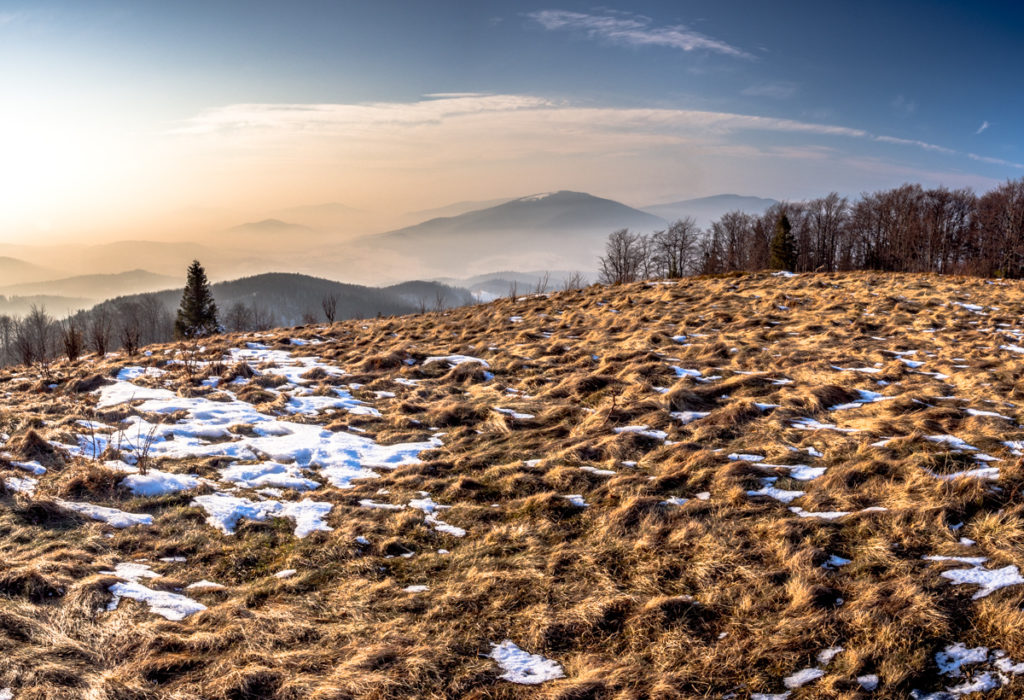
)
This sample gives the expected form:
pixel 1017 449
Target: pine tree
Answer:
pixel 783 249
pixel 197 315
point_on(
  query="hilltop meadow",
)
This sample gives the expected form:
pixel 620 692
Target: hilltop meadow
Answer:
pixel 750 486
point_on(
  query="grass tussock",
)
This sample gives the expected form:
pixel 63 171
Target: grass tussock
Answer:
pixel 623 467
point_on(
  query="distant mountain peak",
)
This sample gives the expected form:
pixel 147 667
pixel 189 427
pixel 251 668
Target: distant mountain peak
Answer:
pixel 268 226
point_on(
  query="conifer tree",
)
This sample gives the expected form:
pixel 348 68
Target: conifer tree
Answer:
pixel 197 315
pixel 783 249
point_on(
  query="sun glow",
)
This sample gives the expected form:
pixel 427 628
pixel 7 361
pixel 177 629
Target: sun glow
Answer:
pixel 57 170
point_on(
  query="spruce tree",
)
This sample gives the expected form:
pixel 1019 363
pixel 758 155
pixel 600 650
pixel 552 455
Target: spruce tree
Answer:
pixel 197 315
pixel 783 250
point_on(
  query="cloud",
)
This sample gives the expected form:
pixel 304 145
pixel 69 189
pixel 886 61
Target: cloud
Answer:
pixel 478 146
pixel 633 30
pixel 995 161
pixel 914 142
pixel 984 125
pixel 778 90
pixel 903 105
pixel 445 109
pixel 516 124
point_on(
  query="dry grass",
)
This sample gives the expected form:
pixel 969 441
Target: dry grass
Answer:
pixel 636 598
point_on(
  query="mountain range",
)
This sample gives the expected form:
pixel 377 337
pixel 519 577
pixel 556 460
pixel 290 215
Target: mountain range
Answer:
pixel 562 230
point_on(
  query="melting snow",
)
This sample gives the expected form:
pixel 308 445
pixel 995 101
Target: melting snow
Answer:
pixel 956 655
pixel 597 472
pixel 169 605
pixel 513 414
pixel 223 511
pixel 641 430
pixel 868 682
pixel 33 467
pixel 523 667
pixel 273 474
pixel 989 580
pixel 736 456
pixel 767 489
pixel 687 417
pixel 158 483
pixel 25 485
pixel 454 360
pixel 172 606
pixel 802 677
pixel 111 516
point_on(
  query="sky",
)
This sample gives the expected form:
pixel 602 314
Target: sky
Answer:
pixel 138 117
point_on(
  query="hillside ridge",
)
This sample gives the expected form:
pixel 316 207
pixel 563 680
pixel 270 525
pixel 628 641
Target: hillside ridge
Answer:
pixel 743 484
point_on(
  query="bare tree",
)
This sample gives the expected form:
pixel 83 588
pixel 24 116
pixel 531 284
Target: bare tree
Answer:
pixel 239 317
pixel 624 258
pixel 542 283
pixel 674 249
pixel 262 319
pixel 575 280
pixel 7 325
pixel 101 330
pixel 156 324
pixel 129 326
pixel 330 306
pixel 439 300
pixel 33 338
pixel 72 339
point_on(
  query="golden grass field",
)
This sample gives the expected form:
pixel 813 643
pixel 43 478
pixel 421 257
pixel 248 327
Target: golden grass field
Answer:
pixel 673 581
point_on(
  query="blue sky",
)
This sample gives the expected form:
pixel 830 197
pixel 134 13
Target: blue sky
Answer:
pixel 665 100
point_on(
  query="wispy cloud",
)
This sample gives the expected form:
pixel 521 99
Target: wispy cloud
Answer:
pixel 984 125
pixel 531 119
pixel 903 106
pixel 776 90
pixel 915 142
pixel 633 30
pixel 480 146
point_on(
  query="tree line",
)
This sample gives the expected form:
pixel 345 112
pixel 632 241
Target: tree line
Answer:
pixel 128 323
pixel 905 229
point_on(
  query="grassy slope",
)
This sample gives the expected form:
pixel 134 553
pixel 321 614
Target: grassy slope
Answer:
pixel 633 597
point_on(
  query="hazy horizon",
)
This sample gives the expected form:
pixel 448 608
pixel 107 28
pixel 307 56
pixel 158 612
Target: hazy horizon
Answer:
pixel 143 121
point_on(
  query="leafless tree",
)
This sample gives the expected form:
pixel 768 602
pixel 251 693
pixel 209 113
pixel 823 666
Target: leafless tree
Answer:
pixel 330 306
pixel 575 280
pixel 542 283
pixel 239 317
pixel 7 325
pixel 33 338
pixel 72 339
pixel 673 250
pixel 101 330
pixel 129 326
pixel 155 321
pixel 262 319
pixel 624 259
